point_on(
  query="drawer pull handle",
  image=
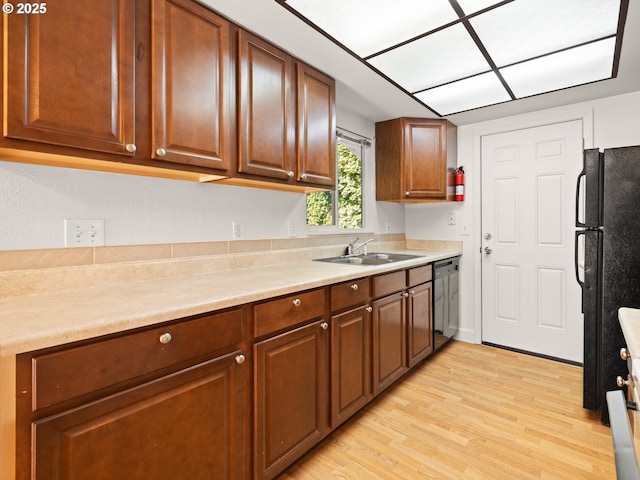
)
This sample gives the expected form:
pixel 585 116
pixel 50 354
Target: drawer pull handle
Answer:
pixel 165 338
pixel 324 325
pixel 354 287
pixel 297 302
pixel 621 382
pixel 240 359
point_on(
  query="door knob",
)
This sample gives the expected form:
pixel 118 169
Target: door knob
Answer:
pixel 487 236
pixel 487 250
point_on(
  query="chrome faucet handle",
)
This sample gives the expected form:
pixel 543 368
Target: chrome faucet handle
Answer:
pixel 350 246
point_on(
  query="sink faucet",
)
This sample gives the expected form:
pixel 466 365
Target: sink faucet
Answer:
pixel 351 248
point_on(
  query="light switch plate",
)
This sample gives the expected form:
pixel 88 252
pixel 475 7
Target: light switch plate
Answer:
pixel 83 232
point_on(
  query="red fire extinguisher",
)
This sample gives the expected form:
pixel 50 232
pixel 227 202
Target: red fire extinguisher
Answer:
pixel 460 184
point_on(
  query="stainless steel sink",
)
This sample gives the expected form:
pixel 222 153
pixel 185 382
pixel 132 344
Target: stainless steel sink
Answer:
pixel 368 258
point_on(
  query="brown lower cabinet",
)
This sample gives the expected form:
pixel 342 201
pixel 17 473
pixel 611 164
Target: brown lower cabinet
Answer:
pixel 182 426
pixel 350 363
pixel 174 400
pixel 389 340
pixel 163 402
pixel 291 398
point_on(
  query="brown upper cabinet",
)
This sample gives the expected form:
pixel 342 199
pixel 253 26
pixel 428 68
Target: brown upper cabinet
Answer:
pixel 286 119
pixel 129 87
pixel 415 160
pixel 70 77
pixel 266 109
pixel 162 88
pixel 190 85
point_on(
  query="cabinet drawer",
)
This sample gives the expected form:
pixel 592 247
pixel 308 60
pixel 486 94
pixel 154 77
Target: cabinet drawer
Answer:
pixel 419 275
pixel 349 293
pixel 389 283
pixel 67 374
pixel 288 311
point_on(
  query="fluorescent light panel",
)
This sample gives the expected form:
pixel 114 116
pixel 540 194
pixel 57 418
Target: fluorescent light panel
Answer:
pixel 440 58
pixel 422 46
pixel 369 26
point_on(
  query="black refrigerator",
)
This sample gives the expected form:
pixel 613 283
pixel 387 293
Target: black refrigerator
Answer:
pixel 607 252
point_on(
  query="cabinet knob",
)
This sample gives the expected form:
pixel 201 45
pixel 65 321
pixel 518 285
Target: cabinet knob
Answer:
pixel 354 287
pixel 412 293
pixel 624 354
pixel 303 176
pixel 324 325
pixel 369 309
pixel 131 147
pixel 165 338
pixel 161 152
pixel 297 302
pixel 621 382
pixel 407 193
pixel 240 359
pixel 404 294
pixel 290 174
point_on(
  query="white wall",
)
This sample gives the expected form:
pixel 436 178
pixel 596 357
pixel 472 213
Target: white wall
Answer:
pixel 35 200
pixel 609 122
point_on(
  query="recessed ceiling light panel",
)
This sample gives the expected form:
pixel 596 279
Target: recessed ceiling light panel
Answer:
pixel 466 94
pixel 369 26
pixel 481 52
pixel 473 6
pixel 525 29
pixel 439 58
pixel 585 64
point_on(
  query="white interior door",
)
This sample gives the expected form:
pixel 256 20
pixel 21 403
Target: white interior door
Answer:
pixel 530 298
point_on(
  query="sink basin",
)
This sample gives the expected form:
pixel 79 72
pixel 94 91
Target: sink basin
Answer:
pixel 368 259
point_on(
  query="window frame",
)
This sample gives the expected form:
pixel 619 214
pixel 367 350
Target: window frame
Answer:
pixel 351 140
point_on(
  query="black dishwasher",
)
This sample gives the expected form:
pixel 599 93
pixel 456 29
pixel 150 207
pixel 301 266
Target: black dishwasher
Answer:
pixel 446 300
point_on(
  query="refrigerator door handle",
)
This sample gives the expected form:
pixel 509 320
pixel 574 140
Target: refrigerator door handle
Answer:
pixel 581 175
pixel 576 259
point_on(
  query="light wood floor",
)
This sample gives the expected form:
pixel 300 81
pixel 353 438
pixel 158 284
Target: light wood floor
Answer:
pixel 470 412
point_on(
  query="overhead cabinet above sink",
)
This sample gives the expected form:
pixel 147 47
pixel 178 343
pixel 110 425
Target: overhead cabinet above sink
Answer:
pixel 415 160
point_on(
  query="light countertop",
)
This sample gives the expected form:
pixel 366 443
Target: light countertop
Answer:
pixel 51 317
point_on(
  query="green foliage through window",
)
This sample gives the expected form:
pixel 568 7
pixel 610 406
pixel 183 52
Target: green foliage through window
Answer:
pixel 320 205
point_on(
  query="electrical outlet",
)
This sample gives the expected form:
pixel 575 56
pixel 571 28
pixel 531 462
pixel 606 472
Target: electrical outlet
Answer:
pixel 80 232
pixel 292 228
pixel 387 227
pixel 451 218
pixel 238 230
pixel 464 228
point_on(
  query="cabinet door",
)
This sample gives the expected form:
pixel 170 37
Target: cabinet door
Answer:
pixel 70 75
pixel 419 328
pixel 291 382
pixel 389 340
pixel 266 108
pixel 316 127
pixel 350 363
pixel 191 85
pixel 186 425
pixel 425 169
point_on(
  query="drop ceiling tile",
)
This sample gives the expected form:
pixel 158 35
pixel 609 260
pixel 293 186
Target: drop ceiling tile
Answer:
pixel 369 26
pixel 439 58
pixel 585 64
pixel 474 92
pixel 473 6
pixel 524 29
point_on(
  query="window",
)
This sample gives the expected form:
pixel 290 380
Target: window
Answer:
pixel 346 212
